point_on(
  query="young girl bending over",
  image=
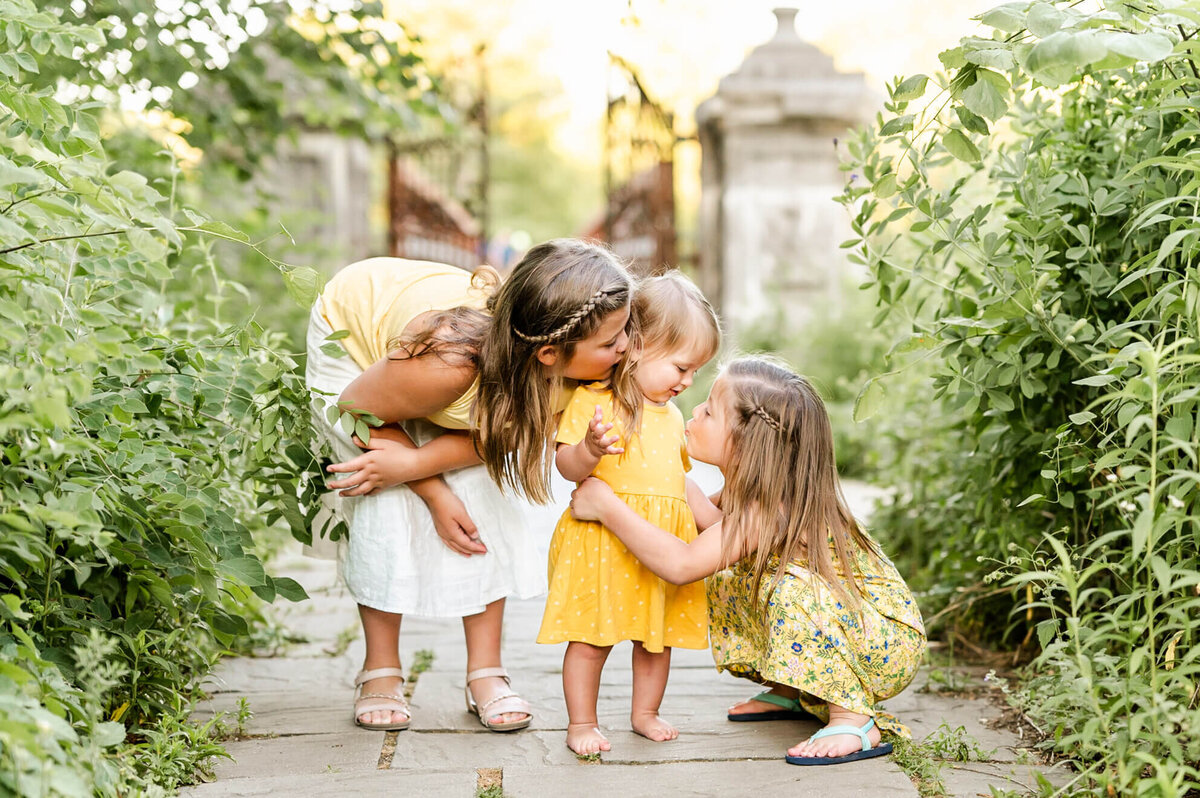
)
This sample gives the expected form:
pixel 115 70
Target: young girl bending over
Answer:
pixel 434 352
pixel 599 593
pixel 801 599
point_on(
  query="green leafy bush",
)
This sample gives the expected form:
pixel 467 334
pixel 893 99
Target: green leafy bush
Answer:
pixel 141 446
pixel 1032 231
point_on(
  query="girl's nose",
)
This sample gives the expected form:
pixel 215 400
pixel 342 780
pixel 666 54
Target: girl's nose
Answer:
pixel 622 343
pixel 686 382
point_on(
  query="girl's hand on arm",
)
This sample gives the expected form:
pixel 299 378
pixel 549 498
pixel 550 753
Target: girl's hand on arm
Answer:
pixel 385 463
pixel 702 506
pixel 577 462
pixel 666 555
pixel 450 518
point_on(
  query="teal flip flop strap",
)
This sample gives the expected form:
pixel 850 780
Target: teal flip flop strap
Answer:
pixel 779 701
pixel 829 731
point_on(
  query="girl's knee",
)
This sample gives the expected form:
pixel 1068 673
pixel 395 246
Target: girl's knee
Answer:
pixel 587 651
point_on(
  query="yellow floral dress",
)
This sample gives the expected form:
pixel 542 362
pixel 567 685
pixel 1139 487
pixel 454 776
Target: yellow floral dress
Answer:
pixel 804 636
pixel 599 592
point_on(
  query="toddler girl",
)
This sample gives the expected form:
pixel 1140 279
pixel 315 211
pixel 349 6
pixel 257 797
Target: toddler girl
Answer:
pixel 599 593
pixel 801 598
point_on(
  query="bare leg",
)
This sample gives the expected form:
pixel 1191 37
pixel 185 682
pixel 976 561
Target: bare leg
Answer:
pixel 483 651
pixel 582 665
pixel 381 631
pixel 650 673
pixel 837 744
pixel 751 705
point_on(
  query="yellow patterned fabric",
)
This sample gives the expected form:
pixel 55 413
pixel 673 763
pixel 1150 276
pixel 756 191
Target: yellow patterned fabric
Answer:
pixel 805 637
pixel 599 592
pixel 376 298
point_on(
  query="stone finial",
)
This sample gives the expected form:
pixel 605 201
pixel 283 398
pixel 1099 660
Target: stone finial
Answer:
pixel 785 23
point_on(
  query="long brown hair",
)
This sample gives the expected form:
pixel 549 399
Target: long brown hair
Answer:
pixel 558 294
pixel 456 333
pixel 782 496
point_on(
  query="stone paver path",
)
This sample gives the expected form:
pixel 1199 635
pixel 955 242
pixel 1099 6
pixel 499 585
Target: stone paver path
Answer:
pixel 301 740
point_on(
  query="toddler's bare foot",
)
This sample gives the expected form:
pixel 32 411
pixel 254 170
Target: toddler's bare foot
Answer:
pixel 585 738
pixel 652 727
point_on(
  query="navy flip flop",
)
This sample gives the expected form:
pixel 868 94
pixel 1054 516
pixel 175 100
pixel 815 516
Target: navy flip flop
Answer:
pixel 790 709
pixel 867 751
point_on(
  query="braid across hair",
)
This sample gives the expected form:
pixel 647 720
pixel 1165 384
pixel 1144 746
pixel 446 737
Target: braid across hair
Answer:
pixel 558 295
pixel 782 498
pixel 572 321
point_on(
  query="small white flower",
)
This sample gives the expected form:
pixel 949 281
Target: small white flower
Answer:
pixel 1175 502
pixel 1110 476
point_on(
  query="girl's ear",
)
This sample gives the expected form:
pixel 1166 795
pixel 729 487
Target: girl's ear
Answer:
pixel 547 355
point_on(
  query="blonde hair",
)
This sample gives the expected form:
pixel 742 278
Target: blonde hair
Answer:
pixel 558 295
pixel 781 486
pixel 456 333
pixel 670 314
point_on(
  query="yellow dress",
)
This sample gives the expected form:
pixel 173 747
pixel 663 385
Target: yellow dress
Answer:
pixel 599 592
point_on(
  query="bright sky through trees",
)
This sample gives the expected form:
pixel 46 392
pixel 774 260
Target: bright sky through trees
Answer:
pixel 683 47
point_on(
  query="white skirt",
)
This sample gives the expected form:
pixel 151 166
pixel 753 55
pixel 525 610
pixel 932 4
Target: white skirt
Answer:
pixel 394 559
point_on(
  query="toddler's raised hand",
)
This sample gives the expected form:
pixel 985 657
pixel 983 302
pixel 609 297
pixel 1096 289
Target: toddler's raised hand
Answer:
pixel 598 441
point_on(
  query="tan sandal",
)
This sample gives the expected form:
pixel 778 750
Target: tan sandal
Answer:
pixel 499 705
pixel 372 702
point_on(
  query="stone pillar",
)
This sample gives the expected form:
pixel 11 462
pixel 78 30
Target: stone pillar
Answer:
pixel 769 228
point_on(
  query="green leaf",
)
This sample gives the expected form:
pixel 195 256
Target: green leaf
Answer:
pixel 1081 418
pixel 869 399
pixel 337 335
pixel 899 124
pixel 1142 527
pixel 147 245
pixel 985 53
pixel 12 175
pixel 108 733
pixel 1009 17
pixel 1096 380
pixel 960 146
pixel 953 58
pixel 1044 19
pixel 988 95
pixel 247 570
pixel 289 589
pixel 1000 401
pixel 1148 47
pixel 303 284
pixel 222 230
pixel 972 122
pixel 1046 631
pixel 910 88
pixel 1059 56
pixel 1171 243
pixel 885 186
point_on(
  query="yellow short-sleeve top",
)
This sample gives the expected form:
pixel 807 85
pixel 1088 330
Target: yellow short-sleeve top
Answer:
pixel 376 298
pixel 655 462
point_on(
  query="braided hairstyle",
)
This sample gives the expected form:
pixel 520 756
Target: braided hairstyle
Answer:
pixel 558 295
pixel 782 497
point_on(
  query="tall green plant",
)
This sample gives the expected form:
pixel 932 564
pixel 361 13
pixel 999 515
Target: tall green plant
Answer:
pixel 1032 230
pixel 141 445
